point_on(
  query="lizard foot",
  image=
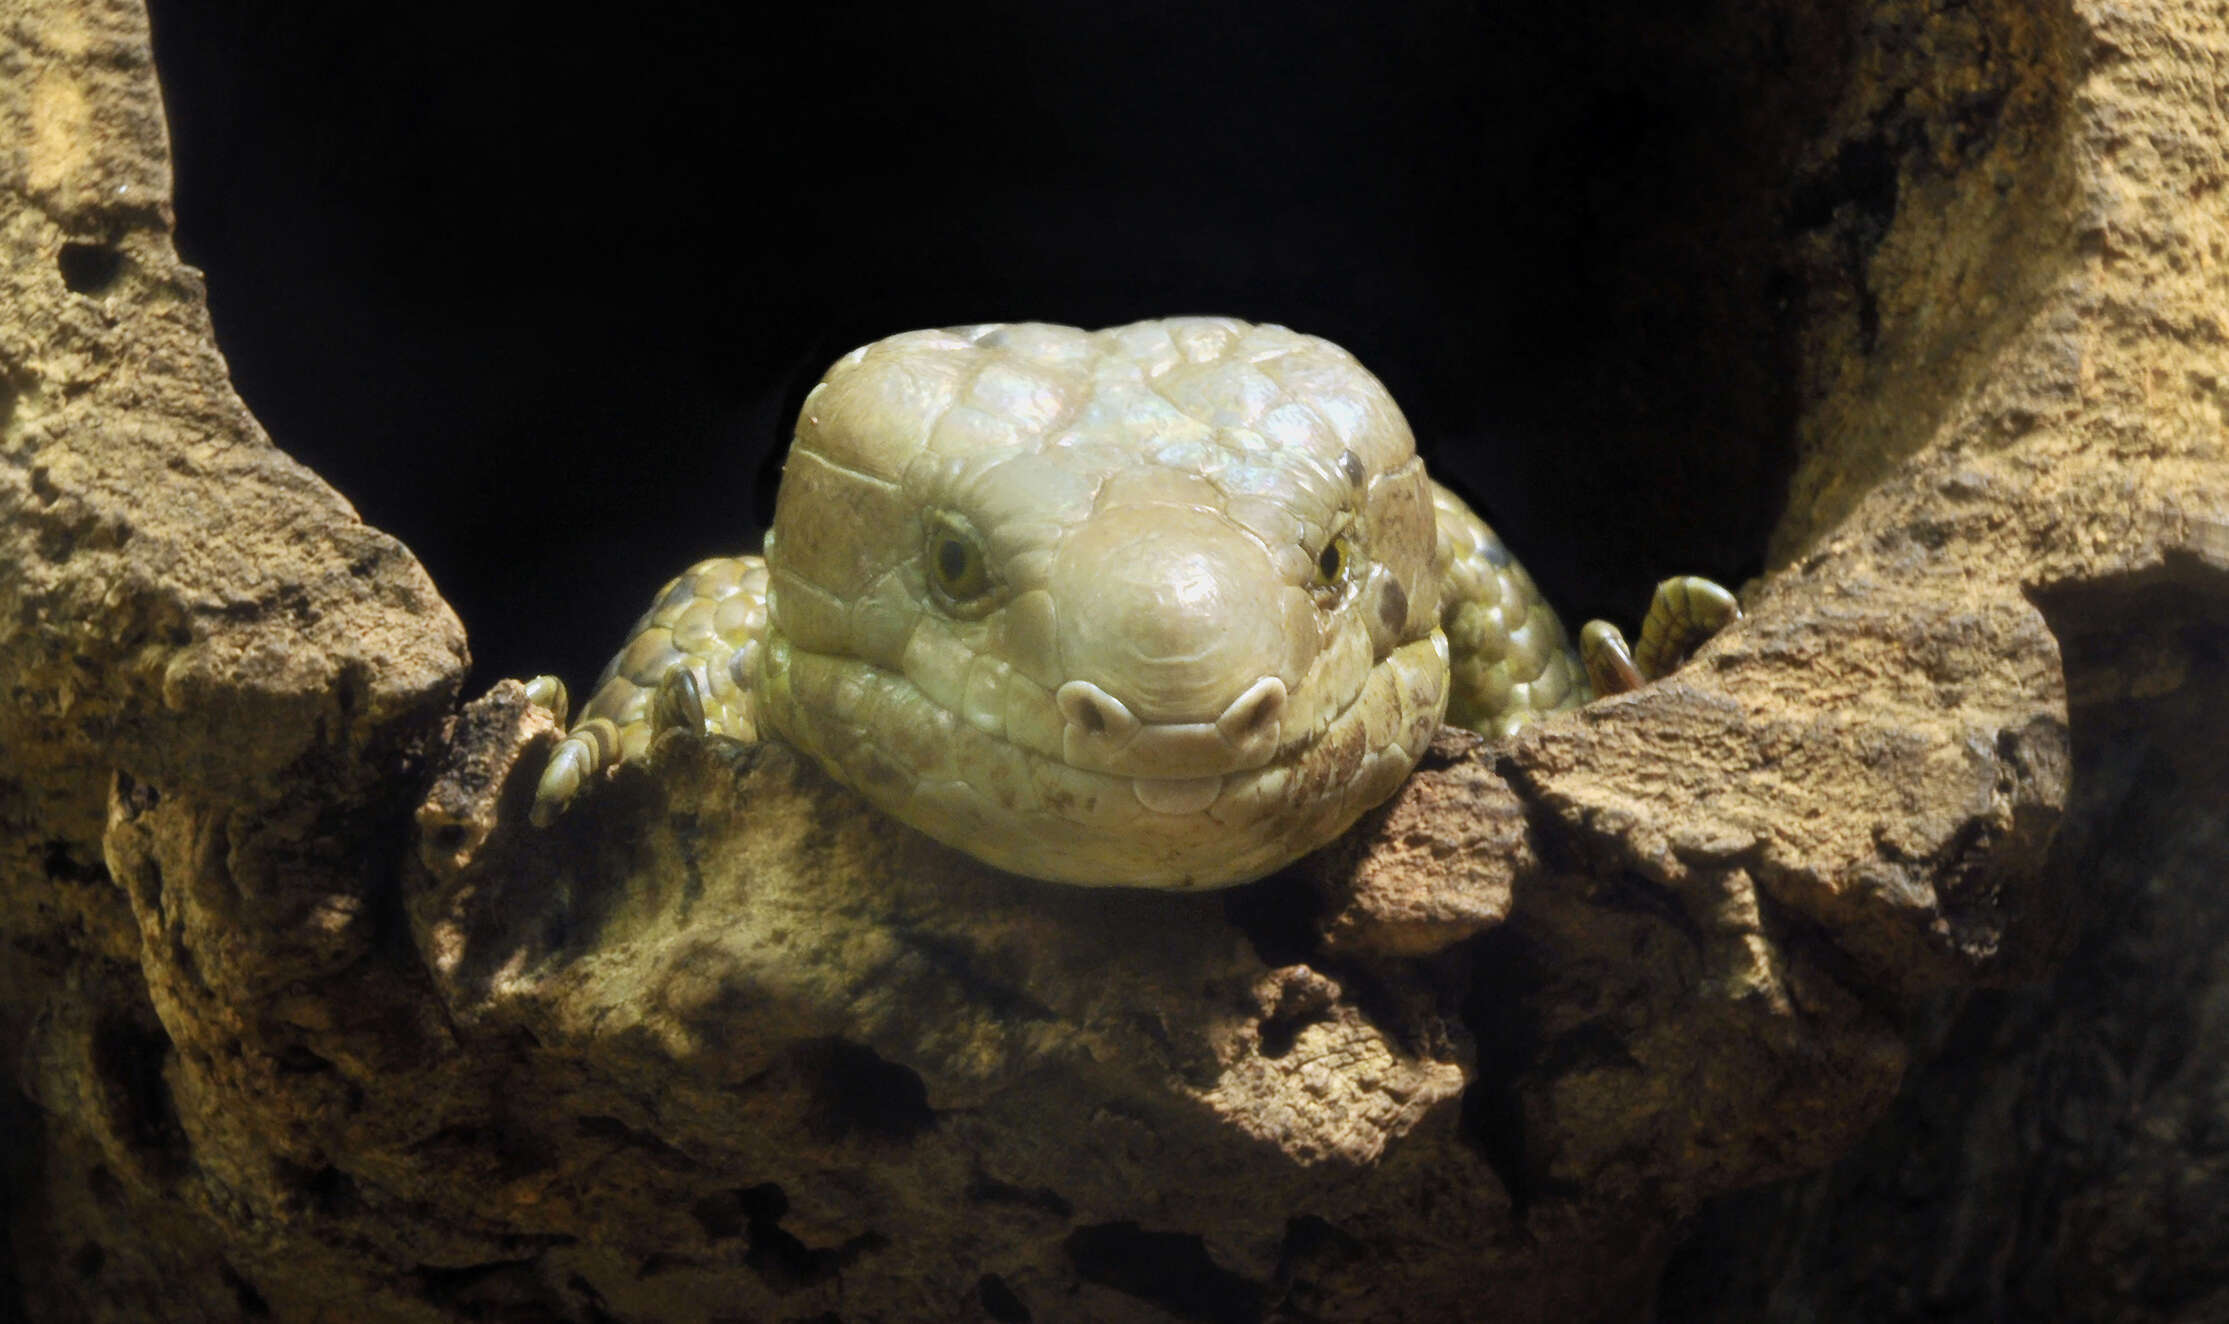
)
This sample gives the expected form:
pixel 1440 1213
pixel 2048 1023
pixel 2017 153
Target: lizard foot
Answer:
pixel 1684 612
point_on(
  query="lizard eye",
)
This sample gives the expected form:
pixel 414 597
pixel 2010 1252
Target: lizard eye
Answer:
pixel 1330 562
pixel 1334 561
pixel 957 570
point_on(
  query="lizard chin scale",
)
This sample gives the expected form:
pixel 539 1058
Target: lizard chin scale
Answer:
pixel 1186 795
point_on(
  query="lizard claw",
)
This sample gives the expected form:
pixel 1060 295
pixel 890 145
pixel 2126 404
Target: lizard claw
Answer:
pixel 549 692
pixel 1608 660
pixel 678 703
pixel 1685 611
pixel 577 758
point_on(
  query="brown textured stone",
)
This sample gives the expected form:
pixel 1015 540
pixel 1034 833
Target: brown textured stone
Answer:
pixel 722 1044
pixel 1431 868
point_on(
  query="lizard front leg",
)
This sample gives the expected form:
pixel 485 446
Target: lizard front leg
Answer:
pixel 1510 660
pixel 691 663
pixel 1512 663
pixel 1683 612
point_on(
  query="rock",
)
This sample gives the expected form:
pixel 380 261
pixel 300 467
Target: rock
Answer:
pixel 312 1024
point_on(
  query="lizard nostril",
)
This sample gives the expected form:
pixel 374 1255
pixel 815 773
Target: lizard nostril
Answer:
pixel 1256 710
pixel 1094 711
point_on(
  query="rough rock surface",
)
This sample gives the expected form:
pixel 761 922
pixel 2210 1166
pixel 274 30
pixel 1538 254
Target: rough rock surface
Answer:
pixel 2064 1152
pixel 305 1022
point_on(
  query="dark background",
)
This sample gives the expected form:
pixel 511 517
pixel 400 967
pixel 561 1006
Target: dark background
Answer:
pixel 540 295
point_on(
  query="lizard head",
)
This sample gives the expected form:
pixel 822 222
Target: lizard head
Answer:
pixel 1152 606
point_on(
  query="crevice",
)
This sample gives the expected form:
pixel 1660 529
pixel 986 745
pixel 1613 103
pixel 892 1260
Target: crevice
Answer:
pixel 782 1261
pixel 1314 1249
pixel 89 268
pixel 650 1146
pixel 957 960
pixel 1277 1034
pixel 858 1092
pixel 594 1310
pixel 660 1262
pixel 25 1167
pixel 301 1060
pixel 496 1289
pixel 1857 191
pixel 1171 1270
pixel 1280 916
pixel 720 1215
pixel 1631 893
pixel 1796 937
pixel 245 1297
pixel 327 1191
pixel 1507 1040
pixel 510 1152
pixel 129 1057
pixel 61 864
pixel 1000 1302
pixel 989 1190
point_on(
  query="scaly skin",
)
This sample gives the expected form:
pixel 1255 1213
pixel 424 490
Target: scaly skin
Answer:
pixel 1166 605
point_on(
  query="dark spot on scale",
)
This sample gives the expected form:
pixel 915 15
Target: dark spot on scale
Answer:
pixel 1393 604
pixel 1350 464
pixel 874 770
pixel 1495 553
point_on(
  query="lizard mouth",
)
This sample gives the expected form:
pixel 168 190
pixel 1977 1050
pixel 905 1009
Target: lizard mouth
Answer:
pixel 1023 808
pixel 1177 795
